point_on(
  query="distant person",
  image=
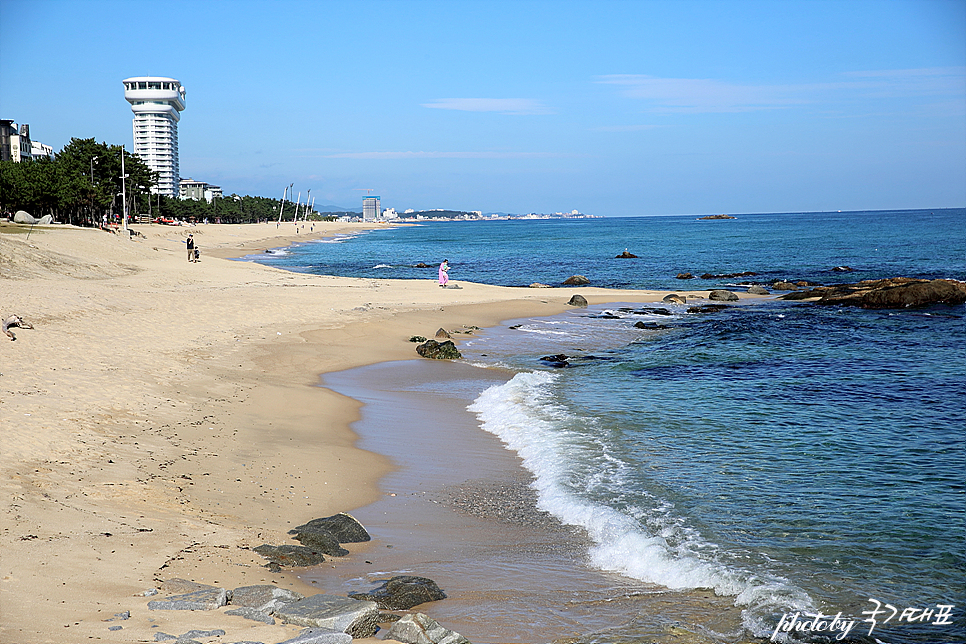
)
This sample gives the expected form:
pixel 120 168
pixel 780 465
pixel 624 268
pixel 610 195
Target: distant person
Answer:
pixel 444 273
pixel 191 248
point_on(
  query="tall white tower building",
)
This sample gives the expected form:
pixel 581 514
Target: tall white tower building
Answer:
pixel 157 103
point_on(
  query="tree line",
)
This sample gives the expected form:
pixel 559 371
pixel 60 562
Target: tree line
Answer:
pixel 81 185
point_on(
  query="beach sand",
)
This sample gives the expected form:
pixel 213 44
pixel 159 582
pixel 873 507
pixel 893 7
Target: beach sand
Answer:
pixel 163 417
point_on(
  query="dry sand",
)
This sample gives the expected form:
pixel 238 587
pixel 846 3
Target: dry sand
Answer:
pixel 161 418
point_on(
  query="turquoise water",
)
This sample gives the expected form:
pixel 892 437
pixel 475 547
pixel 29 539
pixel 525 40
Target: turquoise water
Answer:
pixel 793 457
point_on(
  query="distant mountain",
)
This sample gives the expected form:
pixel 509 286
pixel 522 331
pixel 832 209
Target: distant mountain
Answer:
pixel 334 208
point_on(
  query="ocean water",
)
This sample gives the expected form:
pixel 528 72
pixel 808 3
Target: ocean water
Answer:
pixel 795 459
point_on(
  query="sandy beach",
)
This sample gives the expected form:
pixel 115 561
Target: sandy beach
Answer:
pixel 163 417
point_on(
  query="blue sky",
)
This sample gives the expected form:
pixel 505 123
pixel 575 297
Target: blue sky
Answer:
pixel 609 107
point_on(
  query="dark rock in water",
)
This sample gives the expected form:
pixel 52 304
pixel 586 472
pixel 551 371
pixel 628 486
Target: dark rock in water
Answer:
pixel 357 618
pixel 578 300
pixel 757 290
pixel 576 280
pixel 716 217
pixel 723 296
pixel 559 360
pixel 403 592
pixel 344 526
pixel 727 276
pixel 674 298
pixel 605 316
pixel 515 326
pixel 708 308
pixel 442 334
pixel 653 311
pixel 891 293
pixel 626 255
pixel 290 555
pixel 783 286
pixel 842 269
pixel 417 338
pixel 439 350
pixel 320 539
pixel 685 276
pixel 417 628
pixel 649 325
pixel 422 265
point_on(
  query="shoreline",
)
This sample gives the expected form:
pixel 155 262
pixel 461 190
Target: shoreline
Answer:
pixel 164 416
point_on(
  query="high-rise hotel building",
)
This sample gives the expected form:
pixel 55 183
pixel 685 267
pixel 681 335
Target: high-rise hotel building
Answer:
pixel 157 103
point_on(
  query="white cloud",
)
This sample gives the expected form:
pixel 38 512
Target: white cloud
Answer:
pixel 502 105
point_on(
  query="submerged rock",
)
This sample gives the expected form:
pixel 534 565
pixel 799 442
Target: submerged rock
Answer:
pixel 685 276
pixel 403 592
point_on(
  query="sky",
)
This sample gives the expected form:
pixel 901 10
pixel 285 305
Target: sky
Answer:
pixel 609 107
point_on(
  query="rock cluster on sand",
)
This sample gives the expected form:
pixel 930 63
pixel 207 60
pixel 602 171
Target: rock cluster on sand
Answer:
pixel 891 293
pixel 439 350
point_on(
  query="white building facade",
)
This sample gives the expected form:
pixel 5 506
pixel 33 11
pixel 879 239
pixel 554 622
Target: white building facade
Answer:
pixel 157 103
pixel 370 209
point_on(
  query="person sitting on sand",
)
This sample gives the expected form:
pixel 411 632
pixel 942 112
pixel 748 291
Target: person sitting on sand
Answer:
pixel 443 273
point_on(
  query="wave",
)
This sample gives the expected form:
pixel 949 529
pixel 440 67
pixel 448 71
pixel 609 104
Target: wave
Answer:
pixel 644 539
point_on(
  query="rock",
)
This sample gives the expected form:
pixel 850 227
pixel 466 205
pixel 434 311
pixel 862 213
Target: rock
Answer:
pixel 727 276
pixel 674 298
pixel 576 280
pixel 264 597
pixel 318 636
pixel 198 600
pixel 417 338
pixel 559 360
pixel 893 293
pixel 21 217
pixel 757 290
pixel 439 350
pixel 685 276
pixel 442 334
pixel 403 592
pixel 320 539
pixel 707 308
pixel 290 555
pixel 253 614
pixel 344 526
pixel 578 300
pixel 421 265
pixel 357 618
pixel 717 217
pixel 783 286
pixel 723 296
pixel 649 325
pixel 417 628
pixel 178 586
pixel 626 255
pixel 539 285
pixel 842 269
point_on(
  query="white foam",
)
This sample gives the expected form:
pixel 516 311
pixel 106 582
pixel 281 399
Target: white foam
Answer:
pixel 658 548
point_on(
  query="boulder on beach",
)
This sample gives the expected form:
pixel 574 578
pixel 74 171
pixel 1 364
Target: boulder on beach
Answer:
pixel 442 334
pixel 320 539
pixel 576 280
pixel 674 298
pixel 418 628
pixel 783 286
pixel 206 599
pixel 356 618
pixel 263 597
pixel 757 290
pixel 403 592
pixel 578 300
pixel 439 350
pixel 290 555
pixel 344 526
pixel 723 296
pixel 540 285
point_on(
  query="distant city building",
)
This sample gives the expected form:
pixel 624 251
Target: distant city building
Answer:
pixel 16 146
pixel 198 190
pixel 390 213
pixel 157 103
pixel 370 208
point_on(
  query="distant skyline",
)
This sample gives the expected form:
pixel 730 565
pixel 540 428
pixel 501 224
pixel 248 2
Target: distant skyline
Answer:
pixel 609 107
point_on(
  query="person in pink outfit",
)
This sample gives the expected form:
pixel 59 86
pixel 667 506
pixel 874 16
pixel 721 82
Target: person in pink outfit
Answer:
pixel 443 273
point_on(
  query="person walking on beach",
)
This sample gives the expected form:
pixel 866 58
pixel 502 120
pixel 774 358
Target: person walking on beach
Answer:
pixel 191 248
pixel 443 273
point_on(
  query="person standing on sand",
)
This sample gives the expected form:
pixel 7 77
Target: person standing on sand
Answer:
pixel 191 247
pixel 443 273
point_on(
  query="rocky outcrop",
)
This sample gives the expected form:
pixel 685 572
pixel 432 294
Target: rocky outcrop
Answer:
pixel 557 361
pixel 442 334
pixel 891 293
pixel 264 598
pixel 757 290
pixel 717 217
pixel 351 616
pixel 344 526
pixel 576 280
pixel 320 539
pixel 439 350
pixel 208 598
pixel 685 276
pixel 626 255
pixel 578 300
pixel 707 308
pixel 674 298
pixel 723 296
pixel 727 276
pixel 417 628
pixel 403 592
pixel 842 269
pixel 784 286
pixel 316 636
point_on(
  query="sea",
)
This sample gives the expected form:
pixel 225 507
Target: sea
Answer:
pixel 805 463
